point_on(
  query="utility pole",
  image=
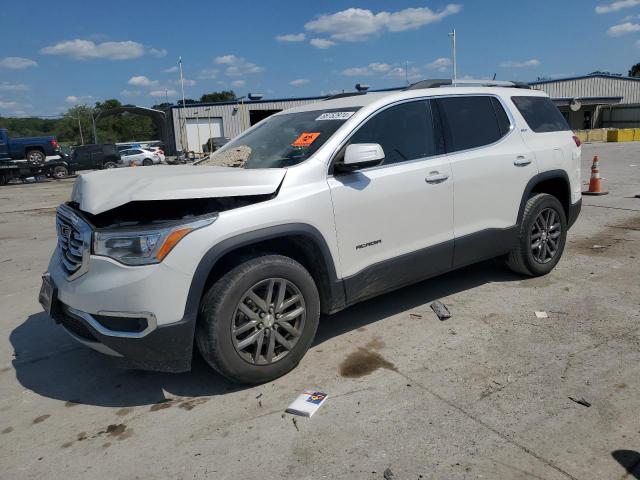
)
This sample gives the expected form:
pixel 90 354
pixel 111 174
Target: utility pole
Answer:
pixel 183 107
pixel 80 128
pixel 93 123
pixel 406 71
pixel 455 62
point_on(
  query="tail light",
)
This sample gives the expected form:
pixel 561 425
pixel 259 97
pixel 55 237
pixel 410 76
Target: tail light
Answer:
pixel 577 140
pixel 54 143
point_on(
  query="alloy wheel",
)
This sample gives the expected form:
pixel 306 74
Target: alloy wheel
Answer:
pixel 545 235
pixel 268 321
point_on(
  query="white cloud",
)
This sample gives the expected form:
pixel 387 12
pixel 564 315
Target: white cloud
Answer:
pixel 14 87
pixel 358 24
pixel 142 81
pixel 291 37
pixel 237 66
pixel 8 104
pixel 238 83
pixel 86 49
pixel 17 63
pixel 75 100
pixel 299 82
pixel 371 69
pixel 157 52
pixel 441 64
pixel 623 29
pixel 79 49
pixel 171 69
pixel 616 6
pixel 208 74
pixel 322 43
pixel 527 63
pixel 161 93
pixel 130 93
pixel 412 73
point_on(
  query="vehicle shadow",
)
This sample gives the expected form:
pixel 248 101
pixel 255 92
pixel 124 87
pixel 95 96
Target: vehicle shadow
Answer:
pixel 48 362
pixel 629 460
pixel 379 308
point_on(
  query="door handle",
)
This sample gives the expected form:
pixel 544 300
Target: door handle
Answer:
pixel 436 177
pixel 521 161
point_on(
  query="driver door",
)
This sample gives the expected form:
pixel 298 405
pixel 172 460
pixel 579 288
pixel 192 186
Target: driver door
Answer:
pixel 394 221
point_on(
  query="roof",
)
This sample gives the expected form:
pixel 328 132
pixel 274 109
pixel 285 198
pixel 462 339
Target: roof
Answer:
pixel 581 77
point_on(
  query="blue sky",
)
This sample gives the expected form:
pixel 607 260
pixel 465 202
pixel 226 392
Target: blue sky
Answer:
pixel 56 55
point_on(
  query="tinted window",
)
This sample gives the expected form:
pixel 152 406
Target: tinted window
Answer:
pixel 541 114
pixel 469 122
pixel 501 116
pixel 405 132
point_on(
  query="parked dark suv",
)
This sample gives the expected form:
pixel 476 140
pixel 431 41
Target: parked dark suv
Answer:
pixel 94 157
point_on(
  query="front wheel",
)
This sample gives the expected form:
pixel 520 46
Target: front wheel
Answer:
pixel 60 172
pixel 110 165
pixel 259 319
pixel 147 162
pixel 543 234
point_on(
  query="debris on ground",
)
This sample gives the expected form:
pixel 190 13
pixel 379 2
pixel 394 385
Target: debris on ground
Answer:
pixel 388 474
pixel 295 423
pixel 307 403
pixel 415 315
pixel 541 314
pixel 440 309
pixel 582 401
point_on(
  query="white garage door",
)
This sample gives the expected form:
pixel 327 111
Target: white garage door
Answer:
pixel 206 128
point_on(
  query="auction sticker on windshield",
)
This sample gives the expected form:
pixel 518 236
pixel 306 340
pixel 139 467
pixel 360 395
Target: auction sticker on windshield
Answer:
pixel 305 139
pixel 335 116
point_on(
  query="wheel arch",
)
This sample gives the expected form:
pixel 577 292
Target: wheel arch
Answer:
pixel 302 242
pixel 553 182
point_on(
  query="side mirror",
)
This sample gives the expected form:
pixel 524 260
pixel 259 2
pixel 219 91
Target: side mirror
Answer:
pixel 360 155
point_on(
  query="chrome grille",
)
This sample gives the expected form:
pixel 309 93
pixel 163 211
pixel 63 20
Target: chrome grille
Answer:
pixel 74 242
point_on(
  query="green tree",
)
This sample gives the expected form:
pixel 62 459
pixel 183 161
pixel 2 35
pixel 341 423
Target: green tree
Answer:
pixel 224 96
pixel 635 71
pixel 187 101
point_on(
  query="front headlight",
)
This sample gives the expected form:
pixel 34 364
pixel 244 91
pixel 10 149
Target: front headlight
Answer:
pixel 146 245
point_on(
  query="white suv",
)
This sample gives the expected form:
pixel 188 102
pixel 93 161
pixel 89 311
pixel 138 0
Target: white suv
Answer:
pixel 332 203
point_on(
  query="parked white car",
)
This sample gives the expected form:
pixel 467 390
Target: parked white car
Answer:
pixel 334 202
pixel 158 151
pixel 139 157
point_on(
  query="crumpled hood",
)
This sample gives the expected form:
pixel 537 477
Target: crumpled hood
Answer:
pixel 104 190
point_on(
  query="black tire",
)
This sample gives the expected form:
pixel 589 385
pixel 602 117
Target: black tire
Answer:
pixel 147 162
pixel 35 156
pixel 218 307
pixel 110 165
pixel 60 171
pixel 521 259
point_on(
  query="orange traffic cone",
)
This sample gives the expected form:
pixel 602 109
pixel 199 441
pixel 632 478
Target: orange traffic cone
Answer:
pixel 594 183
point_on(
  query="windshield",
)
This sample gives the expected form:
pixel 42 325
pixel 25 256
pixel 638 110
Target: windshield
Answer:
pixel 282 140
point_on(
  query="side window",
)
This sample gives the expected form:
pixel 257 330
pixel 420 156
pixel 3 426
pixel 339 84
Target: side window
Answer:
pixel 469 122
pixel 404 131
pixel 503 120
pixel 125 153
pixel 541 114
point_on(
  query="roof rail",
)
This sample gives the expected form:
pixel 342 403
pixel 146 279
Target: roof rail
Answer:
pixel 345 94
pixel 444 82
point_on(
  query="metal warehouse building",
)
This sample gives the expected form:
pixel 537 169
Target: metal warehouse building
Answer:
pixel 194 124
pixel 588 101
pixel 596 100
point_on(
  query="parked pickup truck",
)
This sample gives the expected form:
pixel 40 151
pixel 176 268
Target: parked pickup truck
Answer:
pixel 33 149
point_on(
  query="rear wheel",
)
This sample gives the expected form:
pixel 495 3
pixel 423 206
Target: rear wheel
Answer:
pixel 60 171
pixel 35 156
pixel 543 233
pixel 110 165
pixel 147 162
pixel 259 319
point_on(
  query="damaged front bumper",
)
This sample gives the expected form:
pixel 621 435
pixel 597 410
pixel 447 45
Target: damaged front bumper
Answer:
pixel 140 322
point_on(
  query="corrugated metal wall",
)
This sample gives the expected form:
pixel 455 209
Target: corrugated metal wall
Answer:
pixel 235 117
pixel 594 86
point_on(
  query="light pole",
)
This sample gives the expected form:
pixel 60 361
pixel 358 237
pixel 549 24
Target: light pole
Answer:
pixel 198 127
pixel 184 126
pixel 455 62
pixel 80 128
pixel 93 123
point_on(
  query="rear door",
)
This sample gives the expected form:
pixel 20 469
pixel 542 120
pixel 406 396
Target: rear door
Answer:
pixel 394 221
pixel 491 167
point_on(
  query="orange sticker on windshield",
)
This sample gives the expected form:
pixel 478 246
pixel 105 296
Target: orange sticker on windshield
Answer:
pixel 305 139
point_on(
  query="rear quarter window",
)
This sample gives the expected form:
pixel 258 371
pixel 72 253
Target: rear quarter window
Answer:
pixel 541 114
